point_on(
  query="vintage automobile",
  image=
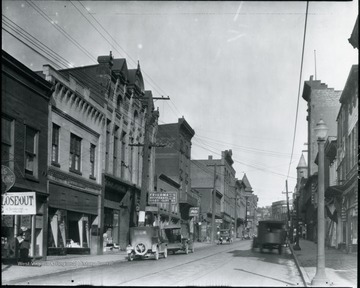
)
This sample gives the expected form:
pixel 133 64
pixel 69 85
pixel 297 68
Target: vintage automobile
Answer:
pixel 225 236
pixel 146 242
pixel 271 235
pixel 178 237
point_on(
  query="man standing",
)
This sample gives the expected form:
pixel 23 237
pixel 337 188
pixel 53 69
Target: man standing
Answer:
pixel 24 245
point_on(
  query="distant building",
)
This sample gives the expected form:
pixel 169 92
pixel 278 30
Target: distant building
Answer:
pixel 202 179
pixel 279 211
pixel 174 161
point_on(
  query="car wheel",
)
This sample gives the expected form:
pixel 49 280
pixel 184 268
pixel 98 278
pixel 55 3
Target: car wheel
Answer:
pixel 165 253
pixel 192 249
pixel 186 248
pixel 173 252
pixel 157 254
pixel 130 256
pixel 280 249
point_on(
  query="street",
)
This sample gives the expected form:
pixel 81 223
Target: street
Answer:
pixel 226 265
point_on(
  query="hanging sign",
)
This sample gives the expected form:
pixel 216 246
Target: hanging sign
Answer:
pixel 7 178
pixel 19 203
pixel 194 211
pixel 162 197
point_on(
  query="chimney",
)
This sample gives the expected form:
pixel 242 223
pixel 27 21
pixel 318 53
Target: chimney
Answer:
pixel 311 77
pixel 210 157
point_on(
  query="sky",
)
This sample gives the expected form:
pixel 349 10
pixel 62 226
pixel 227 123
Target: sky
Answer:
pixel 230 68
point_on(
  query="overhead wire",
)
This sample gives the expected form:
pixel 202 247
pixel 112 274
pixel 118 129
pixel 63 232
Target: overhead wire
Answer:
pixel 298 97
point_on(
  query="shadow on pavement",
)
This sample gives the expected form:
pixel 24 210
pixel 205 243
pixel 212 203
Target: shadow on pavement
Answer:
pixel 266 256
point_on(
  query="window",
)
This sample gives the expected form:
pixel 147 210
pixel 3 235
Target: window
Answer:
pixel 107 147
pixel 123 146
pixel 75 153
pixel 55 144
pixel 7 145
pixel 31 151
pixel 116 144
pixel 92 161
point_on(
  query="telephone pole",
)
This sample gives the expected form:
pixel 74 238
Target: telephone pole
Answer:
pixel 213 204
pixel 287 204
pixel 150 118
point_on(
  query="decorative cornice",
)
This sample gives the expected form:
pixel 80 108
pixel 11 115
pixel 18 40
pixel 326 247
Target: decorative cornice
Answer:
pixel 76 122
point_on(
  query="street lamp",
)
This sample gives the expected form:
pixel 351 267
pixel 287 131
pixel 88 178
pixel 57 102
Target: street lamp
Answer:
pixel 320 278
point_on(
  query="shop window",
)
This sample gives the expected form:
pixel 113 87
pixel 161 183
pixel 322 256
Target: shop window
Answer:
pixel 75 153
pixel 57 228
pixel 7 236
pixel 55 145
pixel 92 161
pixel 31 151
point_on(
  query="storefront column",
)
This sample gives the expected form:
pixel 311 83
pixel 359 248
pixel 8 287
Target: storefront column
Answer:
pixel 33 240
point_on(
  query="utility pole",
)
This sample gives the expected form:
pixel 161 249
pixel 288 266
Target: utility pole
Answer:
pixel 213 204
pixel 288 206
pixel 149 120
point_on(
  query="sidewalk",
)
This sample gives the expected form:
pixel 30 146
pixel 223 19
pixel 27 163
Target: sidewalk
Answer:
pixel 58 264
pixel 341 268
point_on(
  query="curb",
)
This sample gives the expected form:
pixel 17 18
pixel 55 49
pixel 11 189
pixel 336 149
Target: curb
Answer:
pixel 303 274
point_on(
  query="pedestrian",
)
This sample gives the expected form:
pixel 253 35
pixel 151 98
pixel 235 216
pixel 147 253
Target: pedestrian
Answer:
pixel 24 245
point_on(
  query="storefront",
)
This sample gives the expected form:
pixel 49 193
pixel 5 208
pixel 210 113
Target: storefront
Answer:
pixel 72 217
pixel 23 210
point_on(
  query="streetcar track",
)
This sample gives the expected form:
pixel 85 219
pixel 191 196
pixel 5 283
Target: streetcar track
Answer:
pixel 176 266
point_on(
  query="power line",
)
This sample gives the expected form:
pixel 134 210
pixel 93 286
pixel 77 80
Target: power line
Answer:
pixel 61 30
pixel 298 98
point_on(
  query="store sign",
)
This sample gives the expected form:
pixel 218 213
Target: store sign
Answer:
pixel 218 220
pixel 19 203
pixel 162 197
pixel 194 211
pixel 7 177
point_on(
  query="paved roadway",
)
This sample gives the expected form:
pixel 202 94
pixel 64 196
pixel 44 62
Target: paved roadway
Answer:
pixel 222 265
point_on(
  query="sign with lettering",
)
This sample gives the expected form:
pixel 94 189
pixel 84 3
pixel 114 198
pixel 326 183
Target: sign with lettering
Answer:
pixel 162 197
pixel 19 203
pixel 218 220
pixel 7 177
pixel 194 211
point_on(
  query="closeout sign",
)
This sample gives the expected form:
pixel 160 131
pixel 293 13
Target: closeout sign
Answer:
pixel 19 203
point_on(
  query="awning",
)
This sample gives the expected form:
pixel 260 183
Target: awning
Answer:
pixel 334 191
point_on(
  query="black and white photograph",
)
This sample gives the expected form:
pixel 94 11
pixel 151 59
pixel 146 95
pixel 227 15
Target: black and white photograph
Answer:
pixel 179 143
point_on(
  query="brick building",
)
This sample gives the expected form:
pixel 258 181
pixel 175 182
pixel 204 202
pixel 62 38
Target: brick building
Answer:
pixel 174 162
pixel 25 100
pixel 95 169
pixel 323 103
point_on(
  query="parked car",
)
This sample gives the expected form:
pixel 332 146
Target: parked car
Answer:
pixel 146 242
pixel 225 236
pixel 271 235
pixel 178 237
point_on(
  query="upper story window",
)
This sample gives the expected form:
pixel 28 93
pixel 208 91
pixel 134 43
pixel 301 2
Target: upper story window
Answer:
pixel 92 161
pixel 75 153
pixel 115 152
pixel 55 144
pixel 7 140
pixel 31 151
